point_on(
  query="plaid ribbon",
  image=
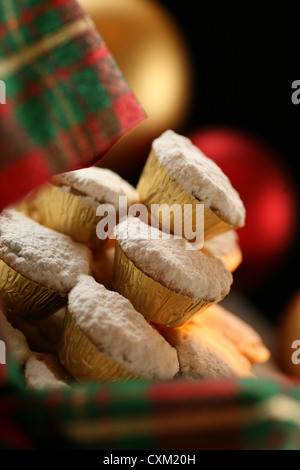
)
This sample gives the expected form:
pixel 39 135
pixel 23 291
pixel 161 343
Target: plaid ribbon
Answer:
pixel 180 415
pixel 67 102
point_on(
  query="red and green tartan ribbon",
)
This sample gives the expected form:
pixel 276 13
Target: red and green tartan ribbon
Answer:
pixel 67 102
pixel 179 415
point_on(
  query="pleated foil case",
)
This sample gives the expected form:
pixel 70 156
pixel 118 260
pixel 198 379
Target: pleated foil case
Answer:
pixel 25 297
pixel 83 360
pixel 153 300
pixel 156 187
pixel 69 214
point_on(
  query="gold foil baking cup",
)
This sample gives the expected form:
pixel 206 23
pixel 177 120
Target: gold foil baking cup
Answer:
pixel 156 302
pixel 28 206
pixel 156 186
pixel 67 213
pixel 83 360
pixel 25 297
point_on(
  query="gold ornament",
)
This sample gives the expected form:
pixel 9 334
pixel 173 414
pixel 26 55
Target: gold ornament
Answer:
pixel 152 54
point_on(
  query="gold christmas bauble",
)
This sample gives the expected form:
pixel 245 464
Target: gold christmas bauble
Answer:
pixel 152 54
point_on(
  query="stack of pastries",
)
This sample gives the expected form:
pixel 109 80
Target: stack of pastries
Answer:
pixel 142 303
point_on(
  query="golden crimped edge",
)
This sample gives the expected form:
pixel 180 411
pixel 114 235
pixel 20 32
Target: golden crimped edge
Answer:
pixel 67 213
pixel 83 360
pixel 25 297
pixel 156 186
pixel 157 303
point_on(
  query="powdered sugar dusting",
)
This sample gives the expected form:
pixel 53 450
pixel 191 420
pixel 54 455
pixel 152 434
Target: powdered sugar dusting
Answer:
pixel 222 245
pixel 236 330
pixel 43 371
pixel 199 176
pixel 120 332
pixel 41 254
pixel 170 262
pixel 97 185
pixel 14 339
pixel 205 353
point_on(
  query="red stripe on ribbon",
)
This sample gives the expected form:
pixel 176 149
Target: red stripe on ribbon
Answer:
pixel 17 179
pixel 192 390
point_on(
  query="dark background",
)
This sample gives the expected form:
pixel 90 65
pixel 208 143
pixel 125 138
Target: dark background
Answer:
pixel 245 61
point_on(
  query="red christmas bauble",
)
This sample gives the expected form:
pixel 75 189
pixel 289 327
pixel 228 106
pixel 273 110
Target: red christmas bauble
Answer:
pixel 267 190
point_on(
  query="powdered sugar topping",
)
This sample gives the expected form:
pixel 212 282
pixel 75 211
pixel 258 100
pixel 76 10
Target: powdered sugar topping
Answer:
pixel 199 176
pixel 97 185
pixel 223 244
pixel 41 254
pixel 120 332
pixel 170 262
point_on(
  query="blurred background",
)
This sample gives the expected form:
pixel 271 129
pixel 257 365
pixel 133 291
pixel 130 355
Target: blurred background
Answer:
pixel 221 75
